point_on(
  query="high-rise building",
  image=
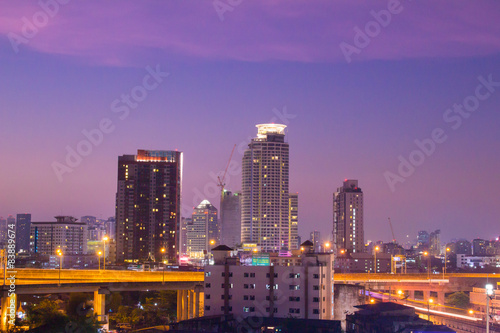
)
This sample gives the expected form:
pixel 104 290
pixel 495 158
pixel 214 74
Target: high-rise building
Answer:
pixel 3 232
pixel 230 218
pixel 423 239
pixel 90 220
pixel 265 189
pixel 435 242
pixel 479 247
pixel 111 227
pixel 463 246
pixel 315 238
pixel 185 223
pixel 293 221
pixel 203 233
pixel 148 204
pixel 65 233
pixel 23 225
pixel 348 228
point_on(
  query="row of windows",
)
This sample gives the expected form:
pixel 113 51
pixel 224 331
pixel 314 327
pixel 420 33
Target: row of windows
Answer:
pixel 275 310
pixel 268 275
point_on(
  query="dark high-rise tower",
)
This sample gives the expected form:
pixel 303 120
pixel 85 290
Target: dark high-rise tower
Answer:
pixel 230 215
pixel 23 225
pixel 148 205
pixel 265 202
pixel 348 229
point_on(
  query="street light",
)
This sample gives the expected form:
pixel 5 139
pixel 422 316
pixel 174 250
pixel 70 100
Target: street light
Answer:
pixel 375 263
pixel 162 252
pixel 471 312
pixel 327 246
pixel 426 254
pixel 212 242
pixel 104 239
pixel 60 254
pixel 489 293
pixel 445 260
pixel 99 256
pixel 429 308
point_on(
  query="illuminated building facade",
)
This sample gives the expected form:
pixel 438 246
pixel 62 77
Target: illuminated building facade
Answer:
pixel 265 203
pixel 148 204
pixel 348 226
pixel 293 221
pixel 65 233
pixel 203 232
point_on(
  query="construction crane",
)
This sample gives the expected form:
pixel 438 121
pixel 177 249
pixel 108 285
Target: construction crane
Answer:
pixel 392 230
pixel 221 183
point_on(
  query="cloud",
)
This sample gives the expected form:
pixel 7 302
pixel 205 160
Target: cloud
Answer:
pixel 117 33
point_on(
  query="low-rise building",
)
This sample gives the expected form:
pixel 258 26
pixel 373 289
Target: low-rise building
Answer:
pixel 363 263
pixel 389 317
pixel 466 261
pixel 274 291
pixel 65 234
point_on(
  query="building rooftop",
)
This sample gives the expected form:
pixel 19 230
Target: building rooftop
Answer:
pixel 222 248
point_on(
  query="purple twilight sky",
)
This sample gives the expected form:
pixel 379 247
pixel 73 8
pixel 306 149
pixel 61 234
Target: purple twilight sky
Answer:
pixel 355 93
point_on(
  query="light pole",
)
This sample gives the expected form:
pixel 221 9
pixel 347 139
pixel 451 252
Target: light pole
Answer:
pixel 426 254
pixel 99 260
pixel 445 260
pixel 327 247
pixel 104 239
pixel 489 293
pixel 429 308
pixel 60 254
pixel 162 252
pixel 375 263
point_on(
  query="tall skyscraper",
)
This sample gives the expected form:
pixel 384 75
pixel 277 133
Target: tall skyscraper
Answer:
pixel 148 204
pixel 348 226
pixel 315 238
pixel 423 239
pixel 230 218
pixel 435 242
pixel 293 221
pixel 3 232
pixel 23 225
pixel 203 234
pixel 185 223
pixel 265 189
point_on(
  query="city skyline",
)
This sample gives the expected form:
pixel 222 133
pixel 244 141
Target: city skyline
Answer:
pixel 350 119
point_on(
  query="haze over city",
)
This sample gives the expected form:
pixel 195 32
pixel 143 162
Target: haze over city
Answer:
pixel 347 116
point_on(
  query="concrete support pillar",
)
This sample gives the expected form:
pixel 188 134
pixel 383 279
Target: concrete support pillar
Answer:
pixel 100 304
pixel 179 305
pixel 185 305
pixel 201 304
pixel 427 295
pixel 9 308
pixel 196 303
pixel 190 304
pixel 411 294
pixel 441 297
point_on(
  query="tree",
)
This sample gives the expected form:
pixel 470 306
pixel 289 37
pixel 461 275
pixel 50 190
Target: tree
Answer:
pixel 459 299
pixel 77 305
pixel 47 313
